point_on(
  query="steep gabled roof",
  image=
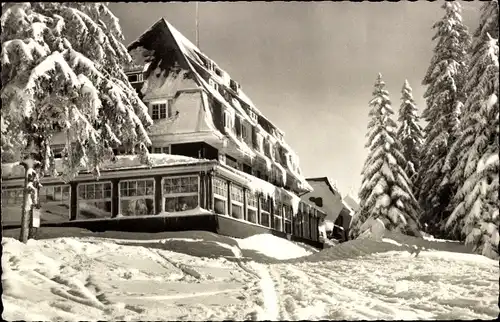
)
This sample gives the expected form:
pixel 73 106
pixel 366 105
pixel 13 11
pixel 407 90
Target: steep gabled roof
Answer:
pixel 192 54
pixel 192 58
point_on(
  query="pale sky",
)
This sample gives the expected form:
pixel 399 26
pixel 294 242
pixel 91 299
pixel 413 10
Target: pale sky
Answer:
pixel 310 66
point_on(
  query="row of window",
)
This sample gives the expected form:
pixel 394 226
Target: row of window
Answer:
pixel 47 194
pixel 281 219
pixel 137 198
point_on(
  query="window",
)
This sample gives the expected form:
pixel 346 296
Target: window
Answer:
pixel 205 61
pixel 94 200
pixel 287 210
pixel 227 120
pixel 314 228
pixel 135 78
pixel 244 133
pixel 252 207
pixel 180 193
pixel 278 218
pixel 267 148
pixel 12 196
pixel 161 149
pixel 212 83
pixel 54 202
pixel 137 197
pixel 265 209
pixel 340 221
pixel 220 195
pixel 237 202
pixel 218 72
pixel 253 116
pixel 161 111
pixel 234 85
pixel 298 224
pixel 306 228
pixel 58 151
pixel 231 162
pixel 260 142
pixel 237 125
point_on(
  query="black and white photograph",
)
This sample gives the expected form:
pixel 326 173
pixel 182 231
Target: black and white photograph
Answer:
pixel 250 161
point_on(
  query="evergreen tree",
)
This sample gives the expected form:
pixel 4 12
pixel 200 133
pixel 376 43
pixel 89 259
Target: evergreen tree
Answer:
pixel 445 80
pixel 475 213
pixel 62 72
pixel 410 132
pixel 459 161
pixel 386 190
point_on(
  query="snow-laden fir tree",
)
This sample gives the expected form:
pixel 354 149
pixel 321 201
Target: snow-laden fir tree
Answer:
pixel 445 81
pixel 461 163
pixel 386 189
pixel 62 71
pixel 410 133
pixel 475 213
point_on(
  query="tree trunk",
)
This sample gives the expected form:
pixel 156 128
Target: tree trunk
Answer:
pixel 36 205
pixel 27 207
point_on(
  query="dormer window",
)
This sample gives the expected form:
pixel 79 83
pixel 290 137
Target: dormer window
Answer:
pixel 252 115
pixel 205 61
pixel 135 78
pixel 161 111
pixel 218 72
pixel 227 120
pixel 212 83
pixel 244 133
pixel 234 85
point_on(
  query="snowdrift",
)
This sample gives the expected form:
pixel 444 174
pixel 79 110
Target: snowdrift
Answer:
pixel 263 248
pixel 273 247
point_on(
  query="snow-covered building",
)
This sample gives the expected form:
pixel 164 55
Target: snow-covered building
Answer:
pixel 214 155
pixel 326 197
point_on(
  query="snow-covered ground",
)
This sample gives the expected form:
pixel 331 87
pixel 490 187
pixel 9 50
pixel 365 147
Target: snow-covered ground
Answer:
pixel 91 278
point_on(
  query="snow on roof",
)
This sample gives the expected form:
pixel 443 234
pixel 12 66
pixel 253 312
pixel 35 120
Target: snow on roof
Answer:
pixel 122 162
pixel 192 55
pixel 331 186
pixel 193 52
pixel 268 189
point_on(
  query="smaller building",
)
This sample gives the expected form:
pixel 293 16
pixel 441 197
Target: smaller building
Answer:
pixel 326 197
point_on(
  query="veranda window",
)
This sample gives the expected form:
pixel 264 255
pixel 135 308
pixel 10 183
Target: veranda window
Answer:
pixel 137 197
pixel 55 203
pixel 305 223
pixel 298 223
pixel 220 195
pixel 278 218
pixel 94 200
pixel 252 207
pixel 236 202
pixel 314 228
pixel 12 199
pixel 265 210
pixel 288 218
pixel 180 193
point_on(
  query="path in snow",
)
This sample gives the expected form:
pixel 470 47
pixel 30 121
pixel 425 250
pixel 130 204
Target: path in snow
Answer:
pixel 387 286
